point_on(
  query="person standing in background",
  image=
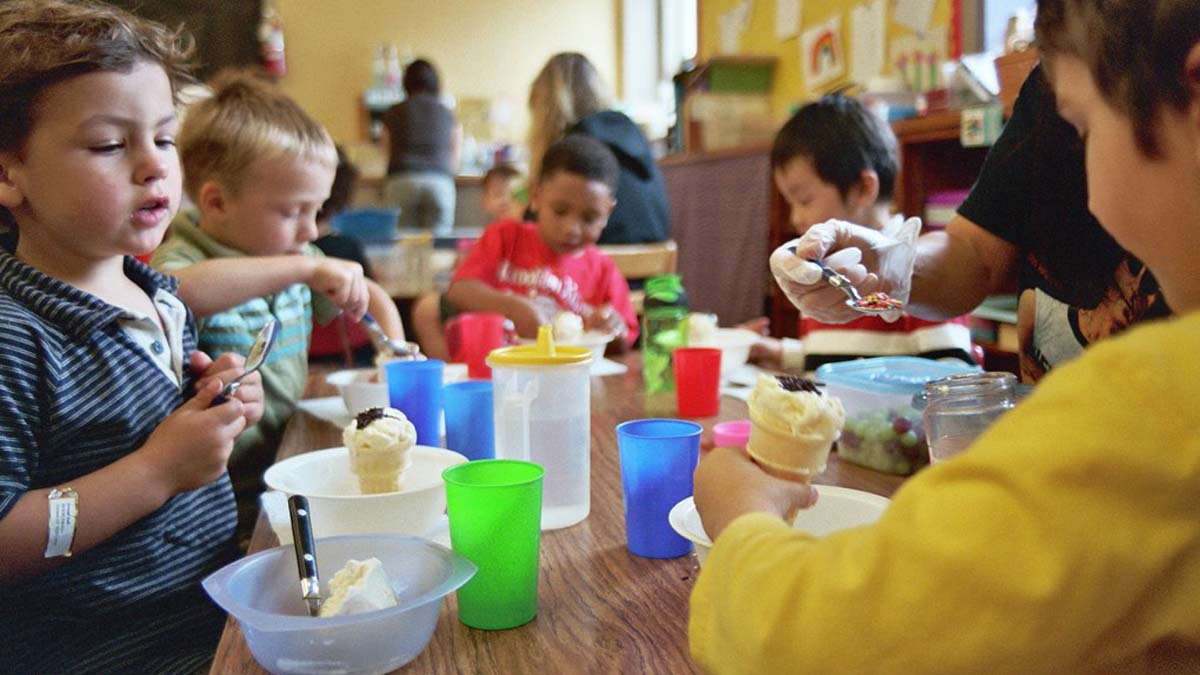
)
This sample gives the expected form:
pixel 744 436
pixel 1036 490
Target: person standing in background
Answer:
pixel 568 97
pixel 421 139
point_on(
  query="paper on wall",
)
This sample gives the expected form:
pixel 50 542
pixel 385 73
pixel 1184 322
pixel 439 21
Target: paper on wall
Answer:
pixel 867 41
pixel 916 14
pixel 732 24
pixel 787 19
pixel 822 55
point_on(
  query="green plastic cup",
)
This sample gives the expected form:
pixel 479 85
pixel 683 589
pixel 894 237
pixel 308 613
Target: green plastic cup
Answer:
pixel 495 510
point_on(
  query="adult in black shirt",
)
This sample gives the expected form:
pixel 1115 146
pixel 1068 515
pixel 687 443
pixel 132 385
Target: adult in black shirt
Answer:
pixel 1026 226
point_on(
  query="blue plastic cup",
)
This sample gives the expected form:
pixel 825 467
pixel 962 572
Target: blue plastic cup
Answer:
pixel 658 457
pixel 415 389
pixel 469 428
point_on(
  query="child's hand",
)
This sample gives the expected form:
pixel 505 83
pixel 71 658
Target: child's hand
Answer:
pixel 605 319
pixel 728 485
pixel 226 368
pixel 342 281
pixel 191 447
pixel 760 325
pixel 525 316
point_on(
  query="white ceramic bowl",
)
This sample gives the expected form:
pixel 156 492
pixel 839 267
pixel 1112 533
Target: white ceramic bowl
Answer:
pixel 595 341
pixel 838 508
pixel 324 477
pixel 361 388
pixel 262 593
pixel 734 344
pixel 358 389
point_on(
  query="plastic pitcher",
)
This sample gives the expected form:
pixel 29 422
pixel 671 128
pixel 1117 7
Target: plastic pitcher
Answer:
pixel 471 336
pixel 542 403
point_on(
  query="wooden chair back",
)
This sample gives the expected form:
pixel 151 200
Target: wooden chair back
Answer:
pixel 642 261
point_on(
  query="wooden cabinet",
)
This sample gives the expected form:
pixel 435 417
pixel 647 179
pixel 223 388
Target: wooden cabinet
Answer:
pixel 931 160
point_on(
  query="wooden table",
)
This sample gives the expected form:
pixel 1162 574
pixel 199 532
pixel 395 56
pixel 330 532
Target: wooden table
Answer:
pixel 600 608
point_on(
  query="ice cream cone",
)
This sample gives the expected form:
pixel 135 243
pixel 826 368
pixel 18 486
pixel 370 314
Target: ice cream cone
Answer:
pixel 788 455
pixel 379 471
pixel 379 441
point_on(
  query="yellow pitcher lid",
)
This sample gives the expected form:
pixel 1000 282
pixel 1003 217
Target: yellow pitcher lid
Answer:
pixel 542 353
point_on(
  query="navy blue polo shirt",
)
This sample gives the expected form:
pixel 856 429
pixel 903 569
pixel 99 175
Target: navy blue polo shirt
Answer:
pixel 76 394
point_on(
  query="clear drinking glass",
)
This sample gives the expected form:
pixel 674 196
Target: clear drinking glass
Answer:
pixel 958 408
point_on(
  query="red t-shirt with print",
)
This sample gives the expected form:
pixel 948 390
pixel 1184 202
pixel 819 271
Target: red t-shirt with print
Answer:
pixel 512 256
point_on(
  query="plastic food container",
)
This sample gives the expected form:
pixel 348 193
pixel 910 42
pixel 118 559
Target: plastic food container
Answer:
pixel 883 431
pixel 262 592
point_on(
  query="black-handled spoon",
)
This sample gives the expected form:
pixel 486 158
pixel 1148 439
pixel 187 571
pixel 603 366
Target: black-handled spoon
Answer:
pixel 306 553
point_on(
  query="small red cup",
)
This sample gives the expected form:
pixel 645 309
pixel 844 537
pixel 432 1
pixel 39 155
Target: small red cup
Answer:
pixel 697 381
pixel 471 336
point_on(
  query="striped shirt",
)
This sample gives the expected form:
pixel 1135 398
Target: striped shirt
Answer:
pixel 286 370
pixel 77 393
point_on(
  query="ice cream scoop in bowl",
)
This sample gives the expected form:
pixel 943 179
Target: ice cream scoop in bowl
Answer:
pixel 260 592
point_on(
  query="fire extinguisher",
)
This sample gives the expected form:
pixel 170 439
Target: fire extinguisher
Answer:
pixel 270 41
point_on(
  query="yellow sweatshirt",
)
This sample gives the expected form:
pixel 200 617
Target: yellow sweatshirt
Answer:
pixel 1066 540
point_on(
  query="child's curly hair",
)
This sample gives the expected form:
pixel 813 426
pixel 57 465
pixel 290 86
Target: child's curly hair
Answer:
pixel 43 42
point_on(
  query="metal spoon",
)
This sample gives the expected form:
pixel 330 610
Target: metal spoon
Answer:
pixel 381 340
pixel 254 360
pixel 854 299
pixel 306 553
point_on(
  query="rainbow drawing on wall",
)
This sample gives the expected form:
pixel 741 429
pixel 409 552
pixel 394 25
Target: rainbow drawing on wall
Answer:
pixel 821 53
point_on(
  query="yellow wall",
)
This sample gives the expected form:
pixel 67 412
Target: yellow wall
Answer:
pixel 482 48
pixel 759 39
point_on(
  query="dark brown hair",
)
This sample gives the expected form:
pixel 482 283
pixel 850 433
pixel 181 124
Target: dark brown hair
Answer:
pixel 43 43
pixel 842 138
pixel 1135 49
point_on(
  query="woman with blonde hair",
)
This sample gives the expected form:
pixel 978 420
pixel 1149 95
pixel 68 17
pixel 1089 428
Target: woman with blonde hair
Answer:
pixel 569 97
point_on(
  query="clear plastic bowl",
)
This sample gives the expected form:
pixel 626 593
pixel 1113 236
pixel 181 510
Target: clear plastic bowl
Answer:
pixel 838 508
pixel 324 477
pixel 262 592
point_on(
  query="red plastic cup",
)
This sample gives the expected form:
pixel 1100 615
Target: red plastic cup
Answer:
pixel 471 336
pixel 697 381
pixel 733 434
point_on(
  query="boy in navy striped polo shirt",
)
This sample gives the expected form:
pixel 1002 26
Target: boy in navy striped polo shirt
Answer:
pixel 114 500
pixel 258 168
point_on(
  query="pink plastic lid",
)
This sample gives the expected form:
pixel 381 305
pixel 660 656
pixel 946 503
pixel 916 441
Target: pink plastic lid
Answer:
pixel 733 434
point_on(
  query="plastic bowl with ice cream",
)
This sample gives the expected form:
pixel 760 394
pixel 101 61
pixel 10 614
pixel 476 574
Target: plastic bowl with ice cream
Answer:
pixel 262 592
pixel 838 508
pixel 338 507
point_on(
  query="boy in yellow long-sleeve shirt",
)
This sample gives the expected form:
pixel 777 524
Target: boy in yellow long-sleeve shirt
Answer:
pixel 1067 539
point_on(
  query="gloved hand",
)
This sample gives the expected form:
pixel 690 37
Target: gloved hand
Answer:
pixel 873 261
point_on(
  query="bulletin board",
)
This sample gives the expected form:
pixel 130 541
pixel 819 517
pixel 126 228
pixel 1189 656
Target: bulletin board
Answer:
pixel 824 45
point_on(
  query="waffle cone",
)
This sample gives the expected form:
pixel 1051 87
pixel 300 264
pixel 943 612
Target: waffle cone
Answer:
pixel 379 471
pixel 794 457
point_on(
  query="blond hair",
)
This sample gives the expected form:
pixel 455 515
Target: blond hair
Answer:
pixel 246 119
pixel 567 89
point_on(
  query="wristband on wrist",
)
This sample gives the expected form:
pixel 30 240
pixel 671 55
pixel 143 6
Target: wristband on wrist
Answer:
pixel 64 508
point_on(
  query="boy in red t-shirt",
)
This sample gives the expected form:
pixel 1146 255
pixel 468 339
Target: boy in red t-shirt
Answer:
pixel 530 271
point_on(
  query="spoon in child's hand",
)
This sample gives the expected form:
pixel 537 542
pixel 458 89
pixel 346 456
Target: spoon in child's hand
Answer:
pixel 254 360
